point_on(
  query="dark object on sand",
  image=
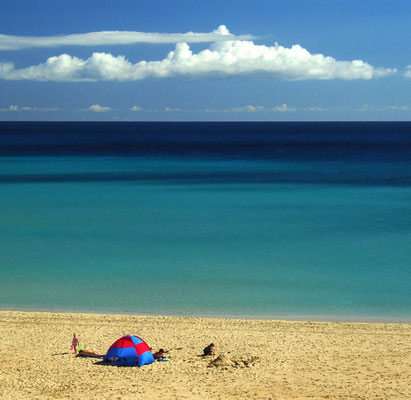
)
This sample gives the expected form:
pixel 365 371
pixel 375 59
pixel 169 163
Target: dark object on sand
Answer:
pixel 209 350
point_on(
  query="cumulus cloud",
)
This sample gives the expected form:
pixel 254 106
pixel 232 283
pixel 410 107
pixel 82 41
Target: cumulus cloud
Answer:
pixel 136 108
pixel 98 108
pixel 222 59
pixel 284 108
pixel 8 42
pixel 407 73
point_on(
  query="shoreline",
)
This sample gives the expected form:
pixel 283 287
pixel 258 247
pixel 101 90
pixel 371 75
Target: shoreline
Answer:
pixel 245 317
pixel 259 359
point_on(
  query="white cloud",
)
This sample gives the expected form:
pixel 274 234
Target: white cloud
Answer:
pixel 284 108
pixel 172 109
pixel 136 108
pixel 250 108
pixel 14 108
pixel 367 108
pixel 8 42
pixel 222 59
pixel 11 108
pixel 407 73
pixel 318 109
pixel 399 108
pixel 98 108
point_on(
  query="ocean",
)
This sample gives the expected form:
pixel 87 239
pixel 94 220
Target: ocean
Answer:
pixel 241 219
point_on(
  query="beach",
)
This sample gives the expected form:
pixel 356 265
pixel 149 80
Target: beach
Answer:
pixel 261 359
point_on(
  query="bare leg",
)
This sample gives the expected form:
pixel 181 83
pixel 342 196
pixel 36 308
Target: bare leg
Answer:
pixel 89 353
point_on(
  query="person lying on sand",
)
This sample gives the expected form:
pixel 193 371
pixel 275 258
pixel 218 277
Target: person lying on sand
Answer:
pixel 209 350
pixel 89 353
pixel 159 354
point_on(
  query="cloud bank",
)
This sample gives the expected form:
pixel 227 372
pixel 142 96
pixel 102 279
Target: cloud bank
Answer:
pixel 252 109
pixel 283 108
pixel 8 42
pixel 15 108
pixel 221 59
pixel 407 73
pixel 368 108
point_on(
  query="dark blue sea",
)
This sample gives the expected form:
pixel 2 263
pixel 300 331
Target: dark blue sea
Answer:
pixel 248 219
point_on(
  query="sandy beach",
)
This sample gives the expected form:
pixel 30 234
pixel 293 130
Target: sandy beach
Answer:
pixel 262 359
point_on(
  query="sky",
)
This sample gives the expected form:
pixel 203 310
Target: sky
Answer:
pixel 205 60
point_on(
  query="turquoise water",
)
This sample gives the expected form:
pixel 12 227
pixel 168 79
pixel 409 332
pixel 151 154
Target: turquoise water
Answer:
pixel 155 243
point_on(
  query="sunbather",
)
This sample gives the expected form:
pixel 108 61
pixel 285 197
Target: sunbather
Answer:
pixel 89 353
pixel 160 355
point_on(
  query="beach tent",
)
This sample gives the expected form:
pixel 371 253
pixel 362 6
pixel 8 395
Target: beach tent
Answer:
pixel 129 350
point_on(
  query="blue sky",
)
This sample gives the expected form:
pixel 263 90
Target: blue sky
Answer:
pixel 205 60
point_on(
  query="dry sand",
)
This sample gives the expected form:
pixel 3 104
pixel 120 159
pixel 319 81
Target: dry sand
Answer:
pixel 261 359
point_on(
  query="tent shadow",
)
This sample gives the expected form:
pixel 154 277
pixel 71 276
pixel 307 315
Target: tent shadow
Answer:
pixel 109 364
pixel 102 363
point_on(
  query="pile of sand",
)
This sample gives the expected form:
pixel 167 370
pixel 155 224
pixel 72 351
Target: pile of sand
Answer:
pixel 222 361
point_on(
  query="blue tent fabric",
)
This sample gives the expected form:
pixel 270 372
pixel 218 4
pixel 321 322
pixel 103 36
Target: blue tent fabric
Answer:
pixel 129 351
